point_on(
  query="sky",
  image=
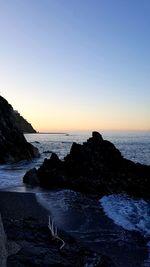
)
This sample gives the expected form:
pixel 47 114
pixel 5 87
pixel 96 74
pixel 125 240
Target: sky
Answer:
pixel 77 64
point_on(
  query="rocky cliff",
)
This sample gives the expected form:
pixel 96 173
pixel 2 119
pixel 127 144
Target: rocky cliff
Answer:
pixel 23 125
pixel 13 145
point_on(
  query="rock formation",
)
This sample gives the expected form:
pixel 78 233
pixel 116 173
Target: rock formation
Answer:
pixel 95 167
pixel 13 145
pixel 22 124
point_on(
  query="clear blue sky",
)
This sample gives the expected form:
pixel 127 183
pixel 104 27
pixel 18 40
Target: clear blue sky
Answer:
pixel 77 64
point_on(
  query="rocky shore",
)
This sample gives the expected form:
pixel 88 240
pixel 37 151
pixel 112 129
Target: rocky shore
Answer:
pixel 95 167
pixel 31 243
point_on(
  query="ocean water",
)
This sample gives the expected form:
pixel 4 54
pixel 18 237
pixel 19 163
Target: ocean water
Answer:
pixel 131 214
pixel 116 225
pixel 133 145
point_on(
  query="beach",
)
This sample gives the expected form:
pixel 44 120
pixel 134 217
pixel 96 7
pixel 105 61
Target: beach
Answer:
pixel 14 206
pixel 30 241
pixel 32 244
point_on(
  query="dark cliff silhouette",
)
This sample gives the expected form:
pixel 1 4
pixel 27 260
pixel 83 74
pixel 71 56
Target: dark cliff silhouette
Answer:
pixel 23 125
pixel 13 145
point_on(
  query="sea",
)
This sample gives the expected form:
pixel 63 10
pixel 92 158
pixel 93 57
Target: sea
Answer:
pixel 117 225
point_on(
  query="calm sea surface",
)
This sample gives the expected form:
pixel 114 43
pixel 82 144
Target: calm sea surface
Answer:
pixel 116 225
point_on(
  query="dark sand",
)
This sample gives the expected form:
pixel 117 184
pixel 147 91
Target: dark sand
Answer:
pixel 25 222
pixel 14 206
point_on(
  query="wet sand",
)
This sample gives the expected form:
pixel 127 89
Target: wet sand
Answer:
pixel 16 206
pixel 25 222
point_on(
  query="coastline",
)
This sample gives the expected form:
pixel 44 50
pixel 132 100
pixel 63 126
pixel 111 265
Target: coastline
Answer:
pixel 31 243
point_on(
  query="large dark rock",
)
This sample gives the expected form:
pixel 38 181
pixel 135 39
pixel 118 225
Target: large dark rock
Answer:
pixel 95 167
pixel 13 145
pixel 22 124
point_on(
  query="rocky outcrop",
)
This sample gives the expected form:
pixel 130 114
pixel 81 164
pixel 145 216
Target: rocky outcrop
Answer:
pixel 3 245
pixel 95 167
pixel 22 124
pixel 13 145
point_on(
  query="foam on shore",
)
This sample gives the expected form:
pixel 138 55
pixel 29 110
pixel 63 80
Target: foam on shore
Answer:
pixel 131 214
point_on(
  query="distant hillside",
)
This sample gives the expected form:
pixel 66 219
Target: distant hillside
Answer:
pixel 23 125
pixel 13 145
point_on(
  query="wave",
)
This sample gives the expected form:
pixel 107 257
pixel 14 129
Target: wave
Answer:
pixel 131 214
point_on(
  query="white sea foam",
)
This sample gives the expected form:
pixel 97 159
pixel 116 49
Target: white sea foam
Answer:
pixel 129 213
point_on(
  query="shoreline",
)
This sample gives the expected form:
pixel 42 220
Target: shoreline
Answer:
pixel 25 222
pixel 26 226
pixel 20 205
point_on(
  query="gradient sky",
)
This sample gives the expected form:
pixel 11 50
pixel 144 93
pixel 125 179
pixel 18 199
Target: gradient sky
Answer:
pixel 77 64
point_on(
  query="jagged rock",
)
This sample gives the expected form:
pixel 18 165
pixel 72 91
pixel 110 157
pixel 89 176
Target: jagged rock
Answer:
pixel 22 124
pixel 95 167
pixel 13 145
pixel 33 177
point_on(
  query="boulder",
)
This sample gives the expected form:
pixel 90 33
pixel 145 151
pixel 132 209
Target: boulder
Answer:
pixel 95 167
pixel 13 145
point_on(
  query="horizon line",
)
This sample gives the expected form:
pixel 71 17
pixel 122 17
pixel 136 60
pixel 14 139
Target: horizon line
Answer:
pixel 91 130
